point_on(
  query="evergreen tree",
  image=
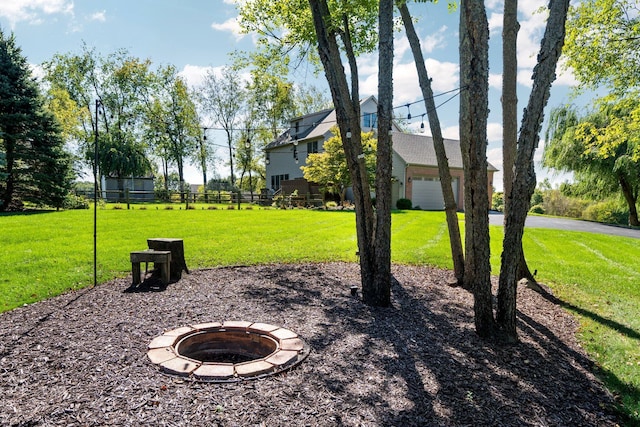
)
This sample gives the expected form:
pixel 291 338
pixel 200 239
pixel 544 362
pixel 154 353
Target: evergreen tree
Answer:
pixel 34 167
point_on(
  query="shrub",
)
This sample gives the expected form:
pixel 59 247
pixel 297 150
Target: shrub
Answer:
pixel 404 204
pixel 608 211
pixel 556 203
pixel 537 209
pixel 497 201
pixel 71 201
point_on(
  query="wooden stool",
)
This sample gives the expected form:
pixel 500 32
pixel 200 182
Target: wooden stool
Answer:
pixel 176 246
pixel 159 258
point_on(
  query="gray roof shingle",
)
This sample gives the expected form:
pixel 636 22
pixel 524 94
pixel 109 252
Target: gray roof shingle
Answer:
pixel 418 150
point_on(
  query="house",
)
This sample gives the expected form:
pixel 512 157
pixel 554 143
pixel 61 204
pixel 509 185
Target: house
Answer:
pixel 140 189
pixel 415 166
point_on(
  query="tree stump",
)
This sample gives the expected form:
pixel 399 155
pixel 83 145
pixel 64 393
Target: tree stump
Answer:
pixel 176 246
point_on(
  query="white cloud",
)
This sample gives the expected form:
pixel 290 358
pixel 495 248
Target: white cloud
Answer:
pixel 194 74
pixel 99 16
pixel 495 81
pixel 232 26
pixel 449 132
pixel 435 40
pixel 495 22
pixel 37 71
pixel 494 133
pixel 444 77
pixel 31 10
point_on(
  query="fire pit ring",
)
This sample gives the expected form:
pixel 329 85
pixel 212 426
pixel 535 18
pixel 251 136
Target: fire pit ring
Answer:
pixel 228 351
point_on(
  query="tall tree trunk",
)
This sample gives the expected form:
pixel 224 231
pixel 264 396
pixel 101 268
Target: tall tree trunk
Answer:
pixel 450 206
pixel 524 181
pixel 631 198
pixel 382 237
pixel 510 29
pixel 204 185
pixel 474 110
pixel 7 197
pixel 347 107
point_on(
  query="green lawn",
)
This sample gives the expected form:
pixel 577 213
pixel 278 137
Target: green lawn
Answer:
pixel 596 277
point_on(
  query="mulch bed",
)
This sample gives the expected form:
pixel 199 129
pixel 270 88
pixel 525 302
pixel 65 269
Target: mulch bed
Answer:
pixel 80 359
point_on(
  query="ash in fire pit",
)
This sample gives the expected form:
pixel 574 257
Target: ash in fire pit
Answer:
pixel 229 351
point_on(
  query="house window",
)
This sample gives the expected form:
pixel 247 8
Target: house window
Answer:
pixel 370 120
pixel 276 180
pixel 312 147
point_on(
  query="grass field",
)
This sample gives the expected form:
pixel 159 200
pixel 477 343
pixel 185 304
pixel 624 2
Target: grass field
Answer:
pixel 596 277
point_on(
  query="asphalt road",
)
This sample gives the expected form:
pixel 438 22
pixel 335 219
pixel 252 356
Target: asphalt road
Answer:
pixel 569 224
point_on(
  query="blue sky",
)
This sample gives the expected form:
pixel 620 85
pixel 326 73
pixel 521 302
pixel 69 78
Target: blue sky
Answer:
pixel 196 35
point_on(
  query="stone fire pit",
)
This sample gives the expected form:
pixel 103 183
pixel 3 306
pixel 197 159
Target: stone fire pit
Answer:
pixel 228 351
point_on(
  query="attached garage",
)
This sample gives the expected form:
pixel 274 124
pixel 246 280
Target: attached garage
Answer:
pixel 427 192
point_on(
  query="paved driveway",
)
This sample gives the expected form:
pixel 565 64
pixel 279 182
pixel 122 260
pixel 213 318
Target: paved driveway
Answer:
pixel 569 224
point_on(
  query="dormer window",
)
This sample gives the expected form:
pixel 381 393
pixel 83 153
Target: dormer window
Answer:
pixel 370 120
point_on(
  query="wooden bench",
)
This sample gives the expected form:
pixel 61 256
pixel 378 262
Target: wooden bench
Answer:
pixel 161 260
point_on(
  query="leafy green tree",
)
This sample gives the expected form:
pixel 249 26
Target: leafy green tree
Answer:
pixel 223 98
pixel 329 168
pixel 34 167
pixel 173 118
pixel 119 82
pixel 602 43
pixel 602 146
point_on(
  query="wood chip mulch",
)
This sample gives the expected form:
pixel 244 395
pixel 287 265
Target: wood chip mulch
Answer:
pixel 80 359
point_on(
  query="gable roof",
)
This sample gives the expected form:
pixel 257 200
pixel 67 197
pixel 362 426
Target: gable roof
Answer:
pixel 310 126
pixel 417 149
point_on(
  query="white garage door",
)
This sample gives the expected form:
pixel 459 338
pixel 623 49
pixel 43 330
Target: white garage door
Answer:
pixel 427 193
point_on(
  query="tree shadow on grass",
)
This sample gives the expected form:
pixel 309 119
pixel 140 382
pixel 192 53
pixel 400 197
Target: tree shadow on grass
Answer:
pixel 611 324
pixel 421 363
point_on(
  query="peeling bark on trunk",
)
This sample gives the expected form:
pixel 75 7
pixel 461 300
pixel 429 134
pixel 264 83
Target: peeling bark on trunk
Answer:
pixel 474 110
pixel 525 179
pixel 450 206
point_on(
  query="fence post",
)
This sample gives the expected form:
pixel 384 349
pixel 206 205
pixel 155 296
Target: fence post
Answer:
pixel 126 196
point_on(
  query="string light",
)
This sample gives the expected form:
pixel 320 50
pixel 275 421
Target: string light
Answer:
pixel 407 105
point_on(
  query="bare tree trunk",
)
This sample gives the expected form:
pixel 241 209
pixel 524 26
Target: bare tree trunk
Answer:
pixel 450 206
pixel 347 107
pixel 7 197
pixel 525 178
pixel 631 198
pixel 510 29
pixel 382 238
pixel 474 110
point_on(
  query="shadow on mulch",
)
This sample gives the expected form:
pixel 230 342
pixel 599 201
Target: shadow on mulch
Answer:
pixel 417 363
pixel 447 374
